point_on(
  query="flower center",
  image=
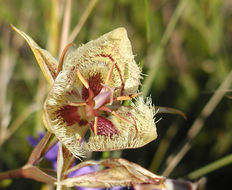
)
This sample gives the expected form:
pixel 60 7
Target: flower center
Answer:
pixel 96 96
pixel 95 82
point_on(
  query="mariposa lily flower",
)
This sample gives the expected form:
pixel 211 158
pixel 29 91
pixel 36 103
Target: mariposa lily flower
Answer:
pixel 88 87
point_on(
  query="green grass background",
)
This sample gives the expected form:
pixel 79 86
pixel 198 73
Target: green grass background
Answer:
pixel 184 47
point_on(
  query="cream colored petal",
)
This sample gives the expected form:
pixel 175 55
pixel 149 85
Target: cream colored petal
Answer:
pixel 48 64
pixel 140 131
pixel 69 134
pixel 94 58
pixel 97 56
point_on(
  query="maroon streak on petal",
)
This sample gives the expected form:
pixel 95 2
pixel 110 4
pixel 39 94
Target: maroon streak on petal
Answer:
pixel 94 84
pixel 107 55
pixel 82 122
pixel 119 72
pixel 122 82
pixel 133 118
pixel 74 93
pixel 69 114
pixel 104 127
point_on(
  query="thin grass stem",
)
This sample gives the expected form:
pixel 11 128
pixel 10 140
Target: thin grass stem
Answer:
pixel 19 120
pixel 147 21
pixel 162 149
pixel 164 41
pixel 65 26
pixel 82 20
pixel 198 124
pixel 54 27
pixel 211 167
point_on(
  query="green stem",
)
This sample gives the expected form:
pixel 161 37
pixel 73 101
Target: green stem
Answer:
pixel 211 167
pixel 147 21
pixel 160 50
pixel 82 20
pixel 198 125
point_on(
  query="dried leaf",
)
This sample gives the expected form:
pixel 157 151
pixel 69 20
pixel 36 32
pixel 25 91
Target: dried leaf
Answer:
pixel 107 178
pixel 120 173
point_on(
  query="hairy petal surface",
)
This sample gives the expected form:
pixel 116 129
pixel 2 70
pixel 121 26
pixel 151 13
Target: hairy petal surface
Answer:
pixel 94 61
pixel 107 65
pixel 65 120
pixel 137 131
pixel 97 57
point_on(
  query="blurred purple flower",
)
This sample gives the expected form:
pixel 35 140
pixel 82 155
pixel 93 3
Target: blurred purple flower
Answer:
pixel 51 155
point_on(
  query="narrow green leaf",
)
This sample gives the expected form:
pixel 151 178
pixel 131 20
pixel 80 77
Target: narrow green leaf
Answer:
pixel 147 21
pixel 211 167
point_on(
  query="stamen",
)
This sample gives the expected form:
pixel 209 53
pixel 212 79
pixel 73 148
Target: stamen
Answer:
pixel 76 104
pixel 95 125
pixel 128 97
pixel 106 109
pixel 82 79
pixel 91 94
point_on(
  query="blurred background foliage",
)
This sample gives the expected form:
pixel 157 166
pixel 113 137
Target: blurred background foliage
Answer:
pixel 184 47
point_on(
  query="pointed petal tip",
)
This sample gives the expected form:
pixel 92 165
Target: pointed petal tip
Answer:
pixel 119 33
pixel 48 64
pixel 14 28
